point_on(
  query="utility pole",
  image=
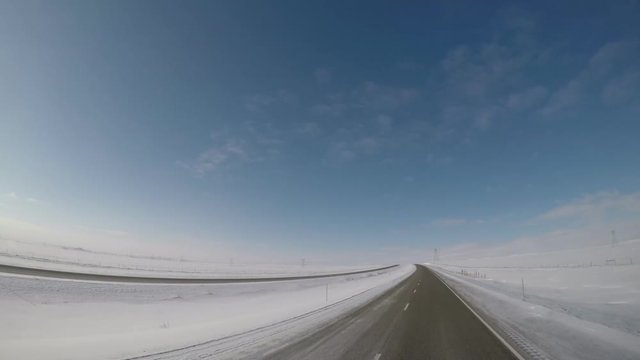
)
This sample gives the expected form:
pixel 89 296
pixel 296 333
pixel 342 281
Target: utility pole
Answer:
pixel 613 238
pixel 303 262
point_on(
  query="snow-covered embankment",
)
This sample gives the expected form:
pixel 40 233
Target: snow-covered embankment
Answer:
pixel 571 304
pixel 62 319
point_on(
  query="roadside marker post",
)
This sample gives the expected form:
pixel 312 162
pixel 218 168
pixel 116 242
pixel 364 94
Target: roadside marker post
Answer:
pixel 327 293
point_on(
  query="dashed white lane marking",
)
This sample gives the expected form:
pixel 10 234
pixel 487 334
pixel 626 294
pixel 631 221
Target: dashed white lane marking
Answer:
pixel 377 357
pixel 405 307
pixel 414 291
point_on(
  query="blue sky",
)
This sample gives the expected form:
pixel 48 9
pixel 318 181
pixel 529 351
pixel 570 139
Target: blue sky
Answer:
pixel 314 127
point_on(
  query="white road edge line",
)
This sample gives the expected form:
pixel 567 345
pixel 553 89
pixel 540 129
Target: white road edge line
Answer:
pixel 377 357
pixel 495 333
pixel 405 307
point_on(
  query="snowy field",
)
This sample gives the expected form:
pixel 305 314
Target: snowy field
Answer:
pixel 75 259
pixel 575 304
pixel 45 318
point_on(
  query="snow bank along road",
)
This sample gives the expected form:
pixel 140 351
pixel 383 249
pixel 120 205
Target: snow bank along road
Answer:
pixel 51 318
pixel 421 318
pixel 575 304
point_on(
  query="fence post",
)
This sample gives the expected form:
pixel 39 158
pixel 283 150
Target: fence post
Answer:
pixel 327 293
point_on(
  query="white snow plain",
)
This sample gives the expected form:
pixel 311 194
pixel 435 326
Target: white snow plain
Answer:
pixel 45 318
pixel 577 304
pixel 48 256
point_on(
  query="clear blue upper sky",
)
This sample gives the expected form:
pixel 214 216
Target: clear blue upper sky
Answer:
pixel 315 125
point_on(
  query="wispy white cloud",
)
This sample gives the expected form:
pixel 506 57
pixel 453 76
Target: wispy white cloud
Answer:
pixel 257 102
pixel 372 95
pixel 474 87
pixel 216 156
pixel 622 89
pixel 409 65
pixel 477 73
pixel 558 239
pixel 367 98
pixel 595 206
pixel 335 109
pixel 453 222
pixel 600 67
pixel 12 196
pixel 18 232
pixel 323 75
pixel 341 151
pixel 347 151
pixel 584 221
pixel 479 84
pixel 367 115
pixel 447 222
pixel 260 102
pixel 385 122
pixel 527 98
pixel 250 142
pixel 308 128
pixel 439 159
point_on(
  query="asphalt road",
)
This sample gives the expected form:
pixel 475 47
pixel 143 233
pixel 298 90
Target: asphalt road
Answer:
pixel 10 269
pixel 419 319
